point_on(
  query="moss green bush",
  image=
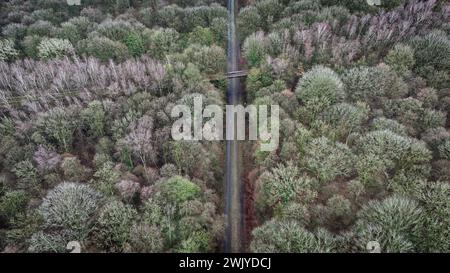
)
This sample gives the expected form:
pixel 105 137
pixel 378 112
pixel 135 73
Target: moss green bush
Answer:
pixel 114 225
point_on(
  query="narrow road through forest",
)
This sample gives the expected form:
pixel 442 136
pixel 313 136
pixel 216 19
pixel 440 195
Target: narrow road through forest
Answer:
pixel 233 186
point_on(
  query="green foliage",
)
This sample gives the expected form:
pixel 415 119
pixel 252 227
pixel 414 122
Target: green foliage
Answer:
pixel 195 243
pixel 346 118
pixel 135 44
pixel 209 60
pixel 392 125
pixel 429 97
pixel 7 50
pixel 57 126
pixel 114 225
pixel 54 48
pixel 73 169
pixel 14 31
pixel 12 204
pixel 284 184
pixel 401 59
pixel 257 78
pixel 355 188
pixel 369 84
pixel 27 175
pixel 249 21
pixel 202 36
pixel 75 29
pixel 435 234
pixel 393 222
pixel 105 179
pixel 103 48
pixel 444 150
pixel 319 88
pixel 41 28
pixel 178 189
pixel 30 46
pixel 118 30
pixel 94 119
pixel 254 49
pixel 269 10
pixel 328 160
pixel 432 49
pixel 161 42
pixel 295 212
pixel 338 206
pixel 42 242
pixel 393 149
pixel 290 237
pixel 70 206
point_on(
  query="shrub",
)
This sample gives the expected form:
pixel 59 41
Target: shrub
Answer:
pixel 13 203
pixel 135 44
pixel 432 49
pixel 27 175
pixel 209 60
pixel 7 50
pixel 202 36
pixel 170 16
pixel 146 238
pixel 103 49
pixel 295 212
pixel 220 29
pixel 436 226
pixel 393 148
pixel 75 29
pixel 41 28
pixel 161 42
pixel 42 242
pixel 105 179
pixel 432 119
pixel 345 118
pixel 94 119
pixel 50 48
pixel 369 84
pixel 401 59
pixel 70 206
pixel 30 46
pixel 14 31
pixel 327 160
pixel 58 126
pixel 73 169
pixel 249 21
pixel 392 125
pixel 178 189
pixel 254 49
pixel 393 222
pixel 117 30
pixel 428 97
pixel 94 14
pixel 270 11
pixel 444 150
pixel 406 111
pixel 355 188
pixel 285 184
pixel 320 87
pixel 114 225
pixel 289 237
pixel 338 206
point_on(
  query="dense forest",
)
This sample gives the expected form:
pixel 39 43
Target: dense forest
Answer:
pixel 86 152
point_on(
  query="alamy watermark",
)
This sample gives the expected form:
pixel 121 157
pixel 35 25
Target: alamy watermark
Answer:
pixel 196 122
